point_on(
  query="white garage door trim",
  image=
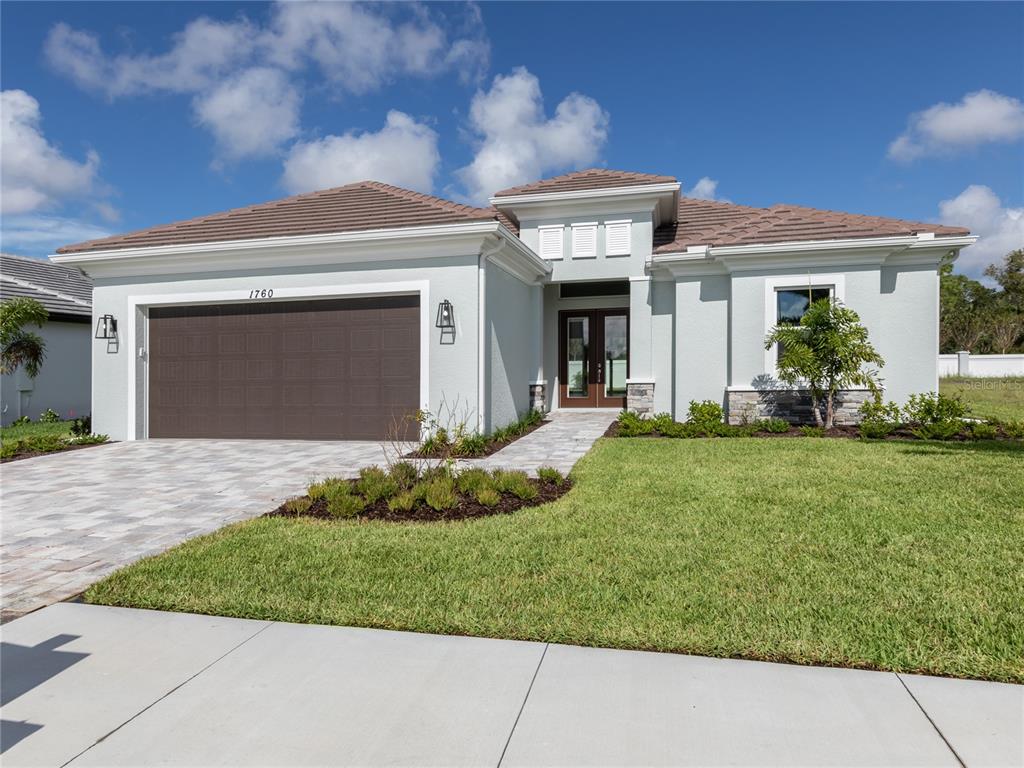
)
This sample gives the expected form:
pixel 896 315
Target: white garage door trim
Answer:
pixel 244 296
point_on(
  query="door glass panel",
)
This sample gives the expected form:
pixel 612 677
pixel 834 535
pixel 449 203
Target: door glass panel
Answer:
pixel 614 355
pixel 576 351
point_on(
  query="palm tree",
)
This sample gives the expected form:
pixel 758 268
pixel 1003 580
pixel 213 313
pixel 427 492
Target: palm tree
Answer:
pixel 19 347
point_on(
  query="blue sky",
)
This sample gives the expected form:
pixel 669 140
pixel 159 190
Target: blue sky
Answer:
pixel 123 115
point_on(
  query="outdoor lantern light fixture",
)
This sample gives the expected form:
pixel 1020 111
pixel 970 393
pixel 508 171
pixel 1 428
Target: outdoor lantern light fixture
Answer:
pixel 106 327
pixel 445 315
pixel 446 321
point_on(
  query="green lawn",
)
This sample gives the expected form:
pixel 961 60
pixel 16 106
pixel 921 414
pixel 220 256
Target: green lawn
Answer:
pixel 901 555
pixel 35 429
pixel 995 398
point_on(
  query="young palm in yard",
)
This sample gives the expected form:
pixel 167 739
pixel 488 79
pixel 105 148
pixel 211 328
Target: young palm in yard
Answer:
pixel 20 347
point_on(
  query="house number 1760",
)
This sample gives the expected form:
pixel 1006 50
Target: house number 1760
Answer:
pixel 261 293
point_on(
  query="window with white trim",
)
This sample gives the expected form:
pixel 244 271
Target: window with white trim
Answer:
pixel 551 239
pixel 617 238
pixel 584 240
pixel 791 304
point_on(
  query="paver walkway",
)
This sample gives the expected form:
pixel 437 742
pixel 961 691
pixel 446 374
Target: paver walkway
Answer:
pixel 559 444
pixel 71 518
pixel 89 685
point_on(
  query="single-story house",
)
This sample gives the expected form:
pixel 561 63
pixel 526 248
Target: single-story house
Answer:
pixel 63 383
pixel 335 314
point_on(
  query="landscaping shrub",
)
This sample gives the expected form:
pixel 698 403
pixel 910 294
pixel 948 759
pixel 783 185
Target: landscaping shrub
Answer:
pixel 49 416
pixel 631 425
pixel 345 505
pixel 932 408
pixel 808 431
pixel 89 439
pixel 550 475
pixel 375 484
pixel 9 449
pixel 983 431
pixel 299 506
pixel 327 487
pixel 440 494
pixel 681 430
pixel 1014 429
pixel 777 426
pixel 663 422
pixel 939 430
pixel 472 480
pixel 489 497
pixel 505 480
pixel 81 426
pixel 403 502
pixel 706 414
pixel 470 445
pixel 878 419
pixel 404 474
pixel 21 421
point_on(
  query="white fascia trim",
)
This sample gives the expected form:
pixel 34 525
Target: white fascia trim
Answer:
pixel 587 194
pixel 780 386
pixel 242 295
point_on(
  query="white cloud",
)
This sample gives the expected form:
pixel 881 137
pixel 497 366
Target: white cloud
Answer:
pixel 236 70
pixel 201 53
pixel 35 173
pixel 403 152
pixel 1000 228
pixel 38 235
pixel 519 143
pixel 980 117
pixel 251 113
pixel 359 48
pixel 706 188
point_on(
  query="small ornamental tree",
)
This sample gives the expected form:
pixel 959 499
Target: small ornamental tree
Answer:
pixel 19 347
pixel 827 352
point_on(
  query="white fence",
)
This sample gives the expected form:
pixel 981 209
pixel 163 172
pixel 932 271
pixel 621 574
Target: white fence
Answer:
pixel 966 364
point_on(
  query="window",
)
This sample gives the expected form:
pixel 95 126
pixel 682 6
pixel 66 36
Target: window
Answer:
pixel 792 303
pixel 551 238
pixel 584 240
pixel 617 238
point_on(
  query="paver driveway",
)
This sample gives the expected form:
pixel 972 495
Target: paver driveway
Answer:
pixel 71 518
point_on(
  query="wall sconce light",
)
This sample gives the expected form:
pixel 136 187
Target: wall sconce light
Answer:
pixel 106 327
pixel 446 321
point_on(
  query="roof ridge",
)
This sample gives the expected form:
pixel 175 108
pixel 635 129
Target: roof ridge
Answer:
pixel 43 288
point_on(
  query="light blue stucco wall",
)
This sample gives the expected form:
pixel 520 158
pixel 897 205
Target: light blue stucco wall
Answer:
pixel 452 367
pixel 603 267
pixel 63 383
pixel 908 330
pixel 702 340
pixel 511 350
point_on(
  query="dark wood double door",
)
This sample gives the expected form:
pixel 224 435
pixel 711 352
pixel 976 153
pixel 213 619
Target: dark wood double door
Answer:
pixel 593 358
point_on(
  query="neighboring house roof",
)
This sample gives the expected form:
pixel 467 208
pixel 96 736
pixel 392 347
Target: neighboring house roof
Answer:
pixel 61 290
pixel 709 222
pixel 363 205
pixel 592 178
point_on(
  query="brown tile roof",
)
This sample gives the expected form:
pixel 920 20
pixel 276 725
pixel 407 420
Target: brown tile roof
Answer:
pixel 592 178
pixel 708 222
pixel 353 207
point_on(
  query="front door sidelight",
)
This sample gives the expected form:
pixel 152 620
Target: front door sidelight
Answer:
pixel 593 355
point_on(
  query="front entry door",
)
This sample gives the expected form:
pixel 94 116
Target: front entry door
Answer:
pixel 593 353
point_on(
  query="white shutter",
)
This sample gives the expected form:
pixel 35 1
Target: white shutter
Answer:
pixel 584 241
pixel 551 242
pixel 616 238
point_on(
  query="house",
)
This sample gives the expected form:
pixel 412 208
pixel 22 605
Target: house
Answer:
pixel 63 383
pixel 337 313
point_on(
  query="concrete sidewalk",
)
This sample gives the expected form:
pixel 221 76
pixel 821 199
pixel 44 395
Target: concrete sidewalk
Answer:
pixel 90 685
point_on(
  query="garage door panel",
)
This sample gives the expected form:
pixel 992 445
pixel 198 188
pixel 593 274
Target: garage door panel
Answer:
pixel 318 369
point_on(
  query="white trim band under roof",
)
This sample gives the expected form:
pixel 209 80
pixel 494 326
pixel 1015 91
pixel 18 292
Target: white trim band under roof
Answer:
pixel 924 239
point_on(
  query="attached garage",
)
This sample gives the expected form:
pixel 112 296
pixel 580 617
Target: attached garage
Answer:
pixel 320 369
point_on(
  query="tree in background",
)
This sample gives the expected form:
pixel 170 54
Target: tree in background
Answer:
pixel 827 352
pixel 979 319
pixel 20 347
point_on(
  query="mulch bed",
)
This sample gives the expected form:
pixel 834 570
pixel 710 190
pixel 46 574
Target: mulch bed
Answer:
pixel 65 449
pixel 493 446
pixel 466 509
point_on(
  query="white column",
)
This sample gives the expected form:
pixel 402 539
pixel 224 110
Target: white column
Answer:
pixel 640 368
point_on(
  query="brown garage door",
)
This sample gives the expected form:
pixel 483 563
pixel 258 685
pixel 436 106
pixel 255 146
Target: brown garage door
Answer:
pixel 319 369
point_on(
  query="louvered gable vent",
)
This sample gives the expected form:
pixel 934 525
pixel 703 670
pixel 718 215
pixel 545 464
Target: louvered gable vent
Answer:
pixel 617 238
pixel 584 240
pixel 551 242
